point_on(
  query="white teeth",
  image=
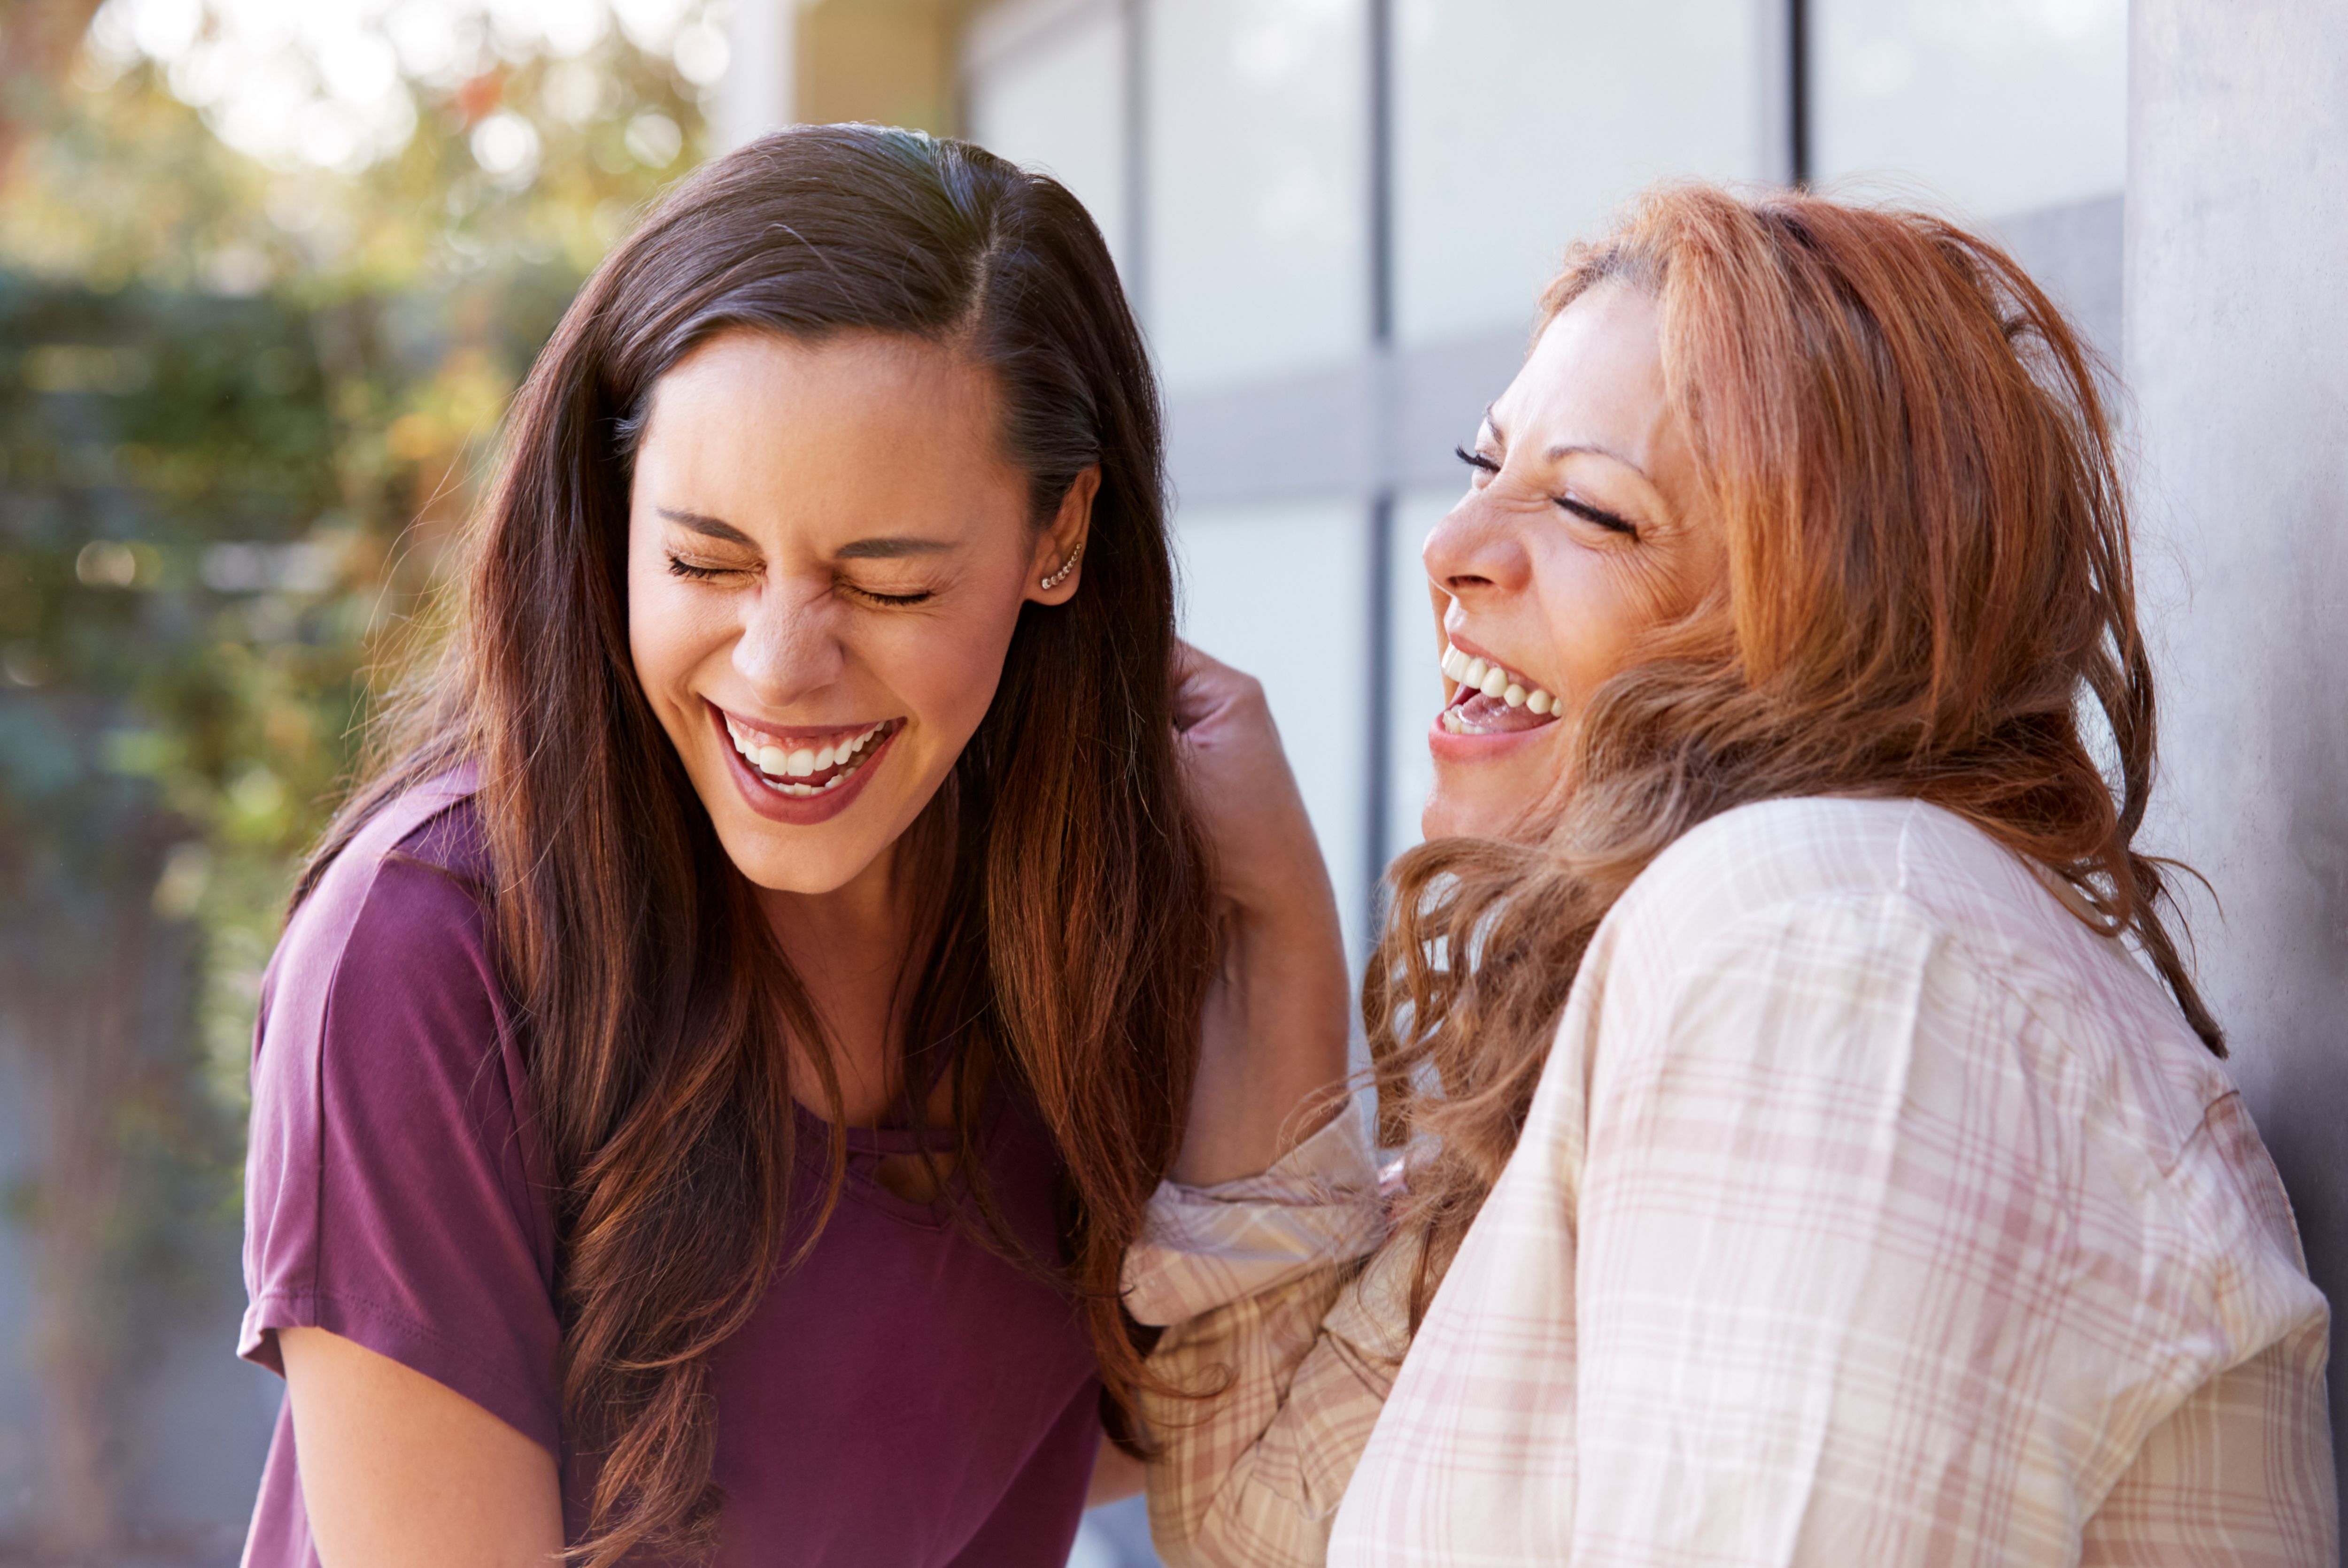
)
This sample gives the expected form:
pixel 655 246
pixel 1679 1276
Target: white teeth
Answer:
pixel 781 763
pixel 1492 681
pixel 782 787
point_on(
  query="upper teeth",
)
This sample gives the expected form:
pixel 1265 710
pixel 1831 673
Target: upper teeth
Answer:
pixel 781 761
pixel 1495 681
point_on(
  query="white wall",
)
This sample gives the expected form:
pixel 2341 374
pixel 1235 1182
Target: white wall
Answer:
pixel 2237 332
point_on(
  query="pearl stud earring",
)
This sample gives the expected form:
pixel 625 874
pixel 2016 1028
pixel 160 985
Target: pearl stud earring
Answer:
pixel 1067 565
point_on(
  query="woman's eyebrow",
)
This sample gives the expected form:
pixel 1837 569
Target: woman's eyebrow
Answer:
pixel 712 527
pixel 890 548
pixel 1566 448
pixel 1584 449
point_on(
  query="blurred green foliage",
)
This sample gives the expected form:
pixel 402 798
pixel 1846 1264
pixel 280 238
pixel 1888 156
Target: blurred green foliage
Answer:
pixel 243 412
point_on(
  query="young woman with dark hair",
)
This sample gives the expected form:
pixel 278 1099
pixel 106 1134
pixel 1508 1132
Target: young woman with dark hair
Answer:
pixel 717 1064
pixel 1818 1152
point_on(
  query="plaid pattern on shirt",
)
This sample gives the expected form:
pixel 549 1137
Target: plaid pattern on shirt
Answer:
pixel 1871 1211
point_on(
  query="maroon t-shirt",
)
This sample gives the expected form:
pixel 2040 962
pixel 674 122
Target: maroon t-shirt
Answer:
pixel 905 1396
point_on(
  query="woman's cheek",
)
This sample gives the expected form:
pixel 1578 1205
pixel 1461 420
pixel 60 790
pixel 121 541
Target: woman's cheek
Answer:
pixel 953 669
pixel 664 635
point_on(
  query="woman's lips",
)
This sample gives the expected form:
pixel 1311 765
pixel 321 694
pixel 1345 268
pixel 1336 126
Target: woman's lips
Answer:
pixel 789 796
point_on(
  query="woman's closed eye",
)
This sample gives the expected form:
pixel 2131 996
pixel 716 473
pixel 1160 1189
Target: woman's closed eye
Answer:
pixel 1612 521
pixel 889 601
pixel 700 568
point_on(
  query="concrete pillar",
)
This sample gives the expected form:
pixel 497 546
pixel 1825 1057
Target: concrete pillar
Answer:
pixel 813 62
pixel 2237 349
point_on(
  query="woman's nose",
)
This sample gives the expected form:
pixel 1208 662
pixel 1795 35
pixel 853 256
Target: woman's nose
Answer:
pixel 1474 549
pixel 789 646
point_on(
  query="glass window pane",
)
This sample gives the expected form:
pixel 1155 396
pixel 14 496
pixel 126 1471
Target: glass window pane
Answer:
pixel 1257 228
pixel 1991 106
pixel 1414 676
pixel 1520 125
pixel 1058 103
pixel 1282 591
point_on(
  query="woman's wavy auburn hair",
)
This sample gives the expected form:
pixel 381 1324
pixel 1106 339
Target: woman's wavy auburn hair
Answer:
pixel 1903 443
pixel 1074 934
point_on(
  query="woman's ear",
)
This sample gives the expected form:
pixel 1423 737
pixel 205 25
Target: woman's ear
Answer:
pixel 1057 567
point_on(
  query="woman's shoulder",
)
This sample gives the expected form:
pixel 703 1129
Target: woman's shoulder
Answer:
pixel 411 877
pixel 385 1042
pixel 394 1194
pixel 1907 913
pixel 393 939
pixel 1764 867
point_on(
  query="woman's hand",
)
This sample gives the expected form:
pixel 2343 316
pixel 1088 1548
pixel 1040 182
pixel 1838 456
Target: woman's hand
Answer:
pixel 1279 1013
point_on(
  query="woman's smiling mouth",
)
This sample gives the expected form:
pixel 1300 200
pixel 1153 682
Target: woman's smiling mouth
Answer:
pixel 803 775
pixel 1491 700
pixel 806 764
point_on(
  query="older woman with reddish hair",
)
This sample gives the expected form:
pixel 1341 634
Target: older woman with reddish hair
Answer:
pixel 1818 1152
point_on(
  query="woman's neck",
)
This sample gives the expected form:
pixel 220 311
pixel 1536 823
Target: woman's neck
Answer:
pixel 853 950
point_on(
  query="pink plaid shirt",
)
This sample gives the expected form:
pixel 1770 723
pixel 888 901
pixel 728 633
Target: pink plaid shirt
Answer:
pixel 1871 1211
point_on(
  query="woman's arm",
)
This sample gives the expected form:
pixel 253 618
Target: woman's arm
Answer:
pixel 1277 1349
pixel 1250 1475
pixel 1242 1268
pixel 1278 1014
pixel 398 1471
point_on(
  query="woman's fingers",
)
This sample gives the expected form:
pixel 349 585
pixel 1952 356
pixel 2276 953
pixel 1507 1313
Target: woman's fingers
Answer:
pixel 1205 687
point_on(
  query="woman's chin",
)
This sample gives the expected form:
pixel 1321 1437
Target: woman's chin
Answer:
pixel 808 858
pixel 1491 787
pixel 1474 808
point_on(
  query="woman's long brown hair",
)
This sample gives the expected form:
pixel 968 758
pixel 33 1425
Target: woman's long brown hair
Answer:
pixel 1074 936
pixel 1928 588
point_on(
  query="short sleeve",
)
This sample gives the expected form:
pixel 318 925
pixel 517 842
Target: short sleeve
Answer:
pixel 393 1193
